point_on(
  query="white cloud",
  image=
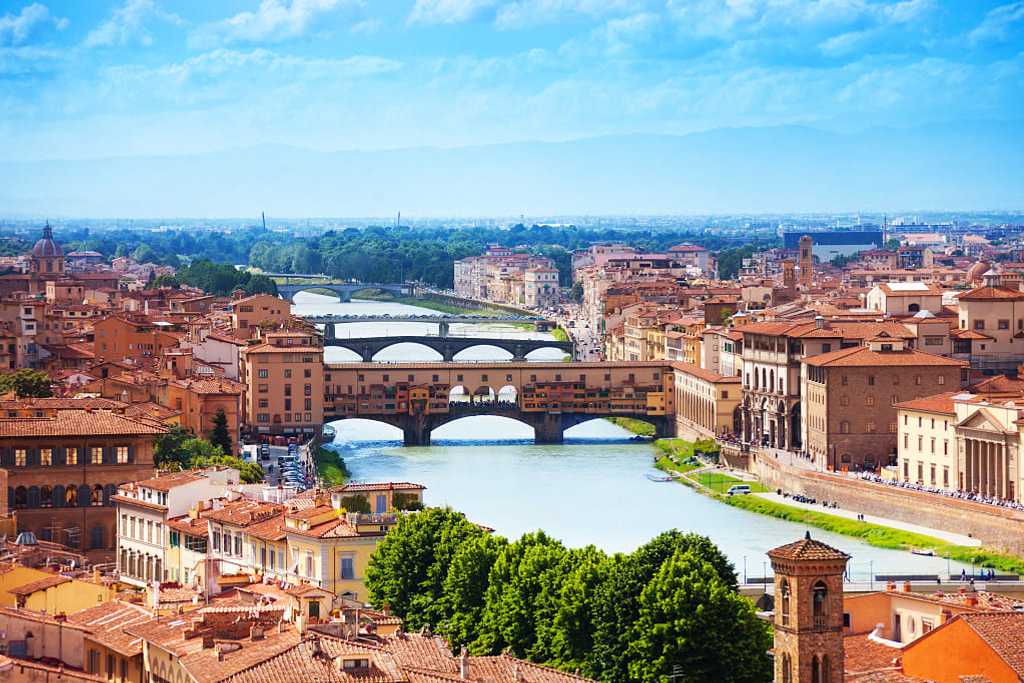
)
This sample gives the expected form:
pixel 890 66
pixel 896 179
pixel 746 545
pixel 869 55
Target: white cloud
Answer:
pixel 520 13
pixel 273 21
pixel 998 24
pixel 127 25
pixel 448 11
pixel 16 29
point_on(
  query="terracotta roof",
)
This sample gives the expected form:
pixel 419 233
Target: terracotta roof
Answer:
pixel 245 512
pixel 992 294
pixel 939 403
pixel 314 660
pixel 862 356
pixel 701 373
pixel 39 585
pixel 107 622
pixel 78 423
pixel 968 334
pixel 864 655
pixel 1004 633
pixel 209 386
pixel 168 481
pixel 807 548
pixel 195 526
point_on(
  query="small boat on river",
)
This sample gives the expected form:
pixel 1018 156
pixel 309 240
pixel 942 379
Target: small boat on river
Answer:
pixel 655 477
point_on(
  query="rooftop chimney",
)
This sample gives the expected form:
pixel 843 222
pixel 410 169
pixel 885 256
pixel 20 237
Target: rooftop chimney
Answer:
pixel 463 664
pixel 819 322
pixel 906 586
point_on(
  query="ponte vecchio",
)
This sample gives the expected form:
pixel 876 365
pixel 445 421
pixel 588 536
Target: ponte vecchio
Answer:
pixel 418 397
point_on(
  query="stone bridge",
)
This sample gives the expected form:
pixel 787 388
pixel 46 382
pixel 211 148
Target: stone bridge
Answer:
pixel 344 290
pixel 448 347
pixel 550 397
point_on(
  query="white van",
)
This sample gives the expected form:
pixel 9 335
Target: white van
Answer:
pixel 739 489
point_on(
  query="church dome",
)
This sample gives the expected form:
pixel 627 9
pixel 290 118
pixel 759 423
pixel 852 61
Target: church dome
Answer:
pixel 46 247
pixel 977 271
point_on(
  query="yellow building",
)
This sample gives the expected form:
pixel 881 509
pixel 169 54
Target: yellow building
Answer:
pixel 109 651
pixel 927 448
pixel 381 497
pixel 43 591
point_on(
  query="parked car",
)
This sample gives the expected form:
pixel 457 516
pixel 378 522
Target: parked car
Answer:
pixel 739 490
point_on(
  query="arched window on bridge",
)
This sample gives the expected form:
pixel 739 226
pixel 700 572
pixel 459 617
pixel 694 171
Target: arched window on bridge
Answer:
pixel 458 394
pixel 484 394
pixel 508 394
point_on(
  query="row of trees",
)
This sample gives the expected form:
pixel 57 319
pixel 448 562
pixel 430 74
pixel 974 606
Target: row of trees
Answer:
pixel 217 278
pixel 26 383
pixel 670 607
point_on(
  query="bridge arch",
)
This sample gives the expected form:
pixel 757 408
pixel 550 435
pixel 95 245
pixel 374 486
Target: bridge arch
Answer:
pixel 476 352
pixel 508 394
pixel 482 427
pixel 364 429
pixel 546 353
pixel 484 394
pixel 598 428
pixel 403 350
pixel 458 394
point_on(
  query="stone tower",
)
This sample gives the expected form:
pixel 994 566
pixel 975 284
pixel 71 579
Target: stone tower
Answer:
pixel 808 612
pixel 789 275
pixel 807 261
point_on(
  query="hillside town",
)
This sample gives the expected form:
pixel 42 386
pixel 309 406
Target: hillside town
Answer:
pixel 884 380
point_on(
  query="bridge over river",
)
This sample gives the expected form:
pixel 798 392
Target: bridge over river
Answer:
pixel 344 290
pixel 442 320
pixel 550 397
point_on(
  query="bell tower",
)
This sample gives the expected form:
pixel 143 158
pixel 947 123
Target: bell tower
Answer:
pixel 808 612
pixel 807 261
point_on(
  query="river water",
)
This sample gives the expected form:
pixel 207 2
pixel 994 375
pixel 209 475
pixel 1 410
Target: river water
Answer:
pixel 592 489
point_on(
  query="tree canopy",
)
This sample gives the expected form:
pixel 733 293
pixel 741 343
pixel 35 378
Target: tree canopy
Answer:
pixel 667 607
pixel 27 383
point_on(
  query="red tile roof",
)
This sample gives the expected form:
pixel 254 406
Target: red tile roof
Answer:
pixel 939 403
pixel 862 356
pixel 992 294
pixel 807 548
pixel 39 585
pixel 79 423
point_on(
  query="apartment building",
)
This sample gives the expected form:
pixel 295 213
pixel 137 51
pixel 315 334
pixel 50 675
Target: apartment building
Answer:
pixel 284 374
pixel 144 510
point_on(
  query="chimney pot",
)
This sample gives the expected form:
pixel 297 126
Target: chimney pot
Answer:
pixel 906 586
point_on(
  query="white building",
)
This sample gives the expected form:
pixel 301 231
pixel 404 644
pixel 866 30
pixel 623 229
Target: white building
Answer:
pixel 143 508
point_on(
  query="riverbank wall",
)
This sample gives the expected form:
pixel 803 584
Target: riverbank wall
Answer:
pixel 997 528
pixel 472 304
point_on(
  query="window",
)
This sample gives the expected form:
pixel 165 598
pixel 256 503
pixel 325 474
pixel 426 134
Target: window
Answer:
pixel 784 591
pixel 46 456
pixel 307 373
pixel 917 380
pixel 819 597
pixel 216 540
pixel 263 373
pixel 173 539
pixel 844 400
pixel 906 441
pixel 122 455
pixel 869 400
pixel 1004 324
pixel 309 565
pixel 933 475
pixel 288 374
pixel 871 380
pixel 933 444
pixel 844 427
pixel 238 545
pixel 892 427
pixel 347 568
pixel 941 380
pixel 979 324
pixel 71 456
pixel 96 455
pixel 20 457
pixel 945 446
pixel 845 381
pixel 871 427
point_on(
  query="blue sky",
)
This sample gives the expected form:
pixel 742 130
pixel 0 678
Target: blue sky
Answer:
pixel 100 79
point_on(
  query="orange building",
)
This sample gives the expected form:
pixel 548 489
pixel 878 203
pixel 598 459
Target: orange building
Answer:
pixel 284 376
pixel 117 338
pixel 249 314
pixel 198 400
pixel 982 647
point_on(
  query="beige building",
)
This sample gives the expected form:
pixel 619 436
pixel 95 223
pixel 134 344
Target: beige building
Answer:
pixel 927 447
pixel 284 375
pixel 706 402
pixel 250 313
pixel 850 398
pixel 904 298
pixel 991 326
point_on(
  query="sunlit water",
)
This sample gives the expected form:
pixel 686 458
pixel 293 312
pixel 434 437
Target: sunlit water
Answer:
pixel 591 490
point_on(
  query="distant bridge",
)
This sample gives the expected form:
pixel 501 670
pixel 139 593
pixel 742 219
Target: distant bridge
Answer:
pixel 344 290
pixel 442 321
pixel 550 396
pixel 448 347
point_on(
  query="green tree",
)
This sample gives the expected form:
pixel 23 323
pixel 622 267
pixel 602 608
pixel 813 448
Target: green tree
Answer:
pixel 694 625
pixel 168 450
pixel 408 568
pixel 617 601
pixel 27 383
pixel 406 501
pixel 219 435
pixel 465 587
pixel 520 597
pixel 574 623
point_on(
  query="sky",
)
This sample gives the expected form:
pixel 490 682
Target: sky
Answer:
pixel 99 79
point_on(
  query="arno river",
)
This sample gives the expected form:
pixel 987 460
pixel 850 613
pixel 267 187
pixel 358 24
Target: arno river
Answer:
pixel 592 489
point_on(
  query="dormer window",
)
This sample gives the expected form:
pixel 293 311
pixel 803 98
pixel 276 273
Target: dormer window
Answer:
pixel 353 664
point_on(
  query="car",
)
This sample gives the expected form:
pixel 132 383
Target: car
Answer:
pixel 739 490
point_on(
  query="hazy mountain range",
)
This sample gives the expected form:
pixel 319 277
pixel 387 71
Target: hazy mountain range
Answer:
pixel 789 168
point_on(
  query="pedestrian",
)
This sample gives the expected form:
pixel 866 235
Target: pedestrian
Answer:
pixel 963 574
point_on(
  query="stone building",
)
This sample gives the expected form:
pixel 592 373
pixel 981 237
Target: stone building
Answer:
pixel 850 398
pixel 808 612
pixel 284 375
pixel 706 402
pixel 65 460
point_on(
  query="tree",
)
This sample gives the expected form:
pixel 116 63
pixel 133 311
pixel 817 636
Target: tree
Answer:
pixel 406 501
pixel 219 435
pixel 26 383
pixel 617 601
pixel 694 625
pixel 892 244
pixel 168 450
pixel 408 568
pixel 575 621
pixel 520 597
pixel 465 587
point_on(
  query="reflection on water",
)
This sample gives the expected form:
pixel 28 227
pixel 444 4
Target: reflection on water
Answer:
pixel 592 489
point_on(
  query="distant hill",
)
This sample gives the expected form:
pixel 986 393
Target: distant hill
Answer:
pixel 778 169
